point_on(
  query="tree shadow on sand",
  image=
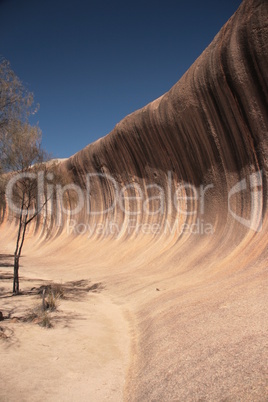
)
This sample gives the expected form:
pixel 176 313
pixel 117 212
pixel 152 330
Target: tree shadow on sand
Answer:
pixel 72 290
pixel 49 296
pixel 6 260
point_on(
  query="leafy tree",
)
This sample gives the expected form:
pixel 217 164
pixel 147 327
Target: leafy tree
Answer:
pixel 16 105
pixel 21 158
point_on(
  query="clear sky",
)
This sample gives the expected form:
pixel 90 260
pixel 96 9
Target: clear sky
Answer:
pixel 90 63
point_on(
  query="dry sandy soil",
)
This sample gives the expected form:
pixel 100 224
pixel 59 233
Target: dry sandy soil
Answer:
pixel 84 356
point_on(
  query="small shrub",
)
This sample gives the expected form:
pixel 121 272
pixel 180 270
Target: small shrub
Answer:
pixel 58 290
pixel 38 316
pixel 45 321
pixel 51 301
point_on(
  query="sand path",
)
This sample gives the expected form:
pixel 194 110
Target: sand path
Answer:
pixel 84 357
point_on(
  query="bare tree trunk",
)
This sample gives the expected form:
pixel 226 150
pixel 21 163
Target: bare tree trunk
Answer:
pixel 19 244
pixel 23 223
pixel 44 301
pixel 16 275
pixel 16 260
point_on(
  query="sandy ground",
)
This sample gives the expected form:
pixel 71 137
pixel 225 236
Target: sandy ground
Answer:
pixel 83 357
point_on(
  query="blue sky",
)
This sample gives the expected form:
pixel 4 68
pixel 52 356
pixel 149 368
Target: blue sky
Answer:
pixel 90 63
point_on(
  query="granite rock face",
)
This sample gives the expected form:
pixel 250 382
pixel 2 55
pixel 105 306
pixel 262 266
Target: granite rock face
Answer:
pixel 208 132
pixel 192 166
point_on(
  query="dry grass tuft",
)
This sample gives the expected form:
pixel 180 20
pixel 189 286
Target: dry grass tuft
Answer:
pixel 45 321
pixel 51 302
pixel 40 317
pixel 51 296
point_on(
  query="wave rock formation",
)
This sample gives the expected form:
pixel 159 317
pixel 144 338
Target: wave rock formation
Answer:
pixel 174 217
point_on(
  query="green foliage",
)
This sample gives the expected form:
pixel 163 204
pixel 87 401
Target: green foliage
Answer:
pixel 16 105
